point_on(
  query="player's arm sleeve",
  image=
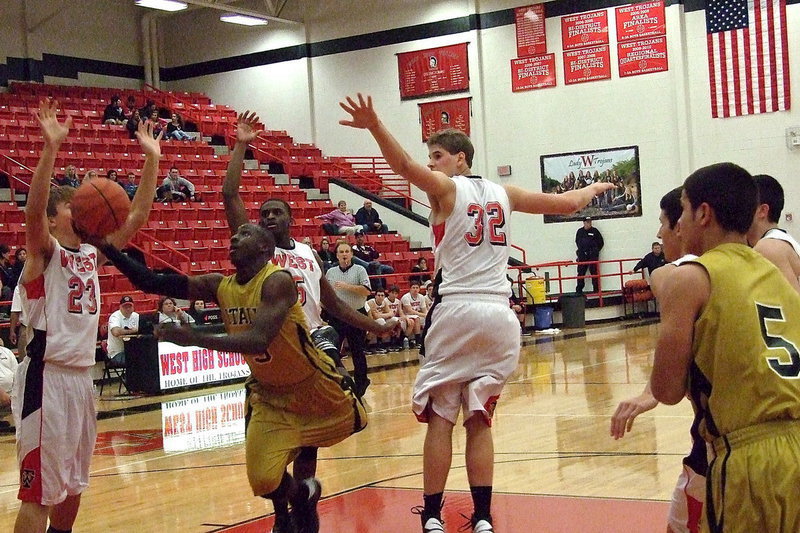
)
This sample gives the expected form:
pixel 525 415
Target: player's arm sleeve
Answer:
pixel 176 285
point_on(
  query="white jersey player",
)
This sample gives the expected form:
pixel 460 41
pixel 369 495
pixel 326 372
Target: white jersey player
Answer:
pixel 470 316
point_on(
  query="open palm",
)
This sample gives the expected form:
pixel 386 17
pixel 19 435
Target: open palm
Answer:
pixel 362 113
pixel 53 131
pixel 247 127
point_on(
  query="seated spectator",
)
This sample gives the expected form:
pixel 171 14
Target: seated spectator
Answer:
pixel 133 124
pixel 8 369
pixel 158 126
pixel 414 307
pixel 196 308
pixel 421 266
pixel 396 306
pixel 130 185
pixel 148 109
pixel 176 188
pixel 70 177
pixel 114 114
pixel 367 256
pixel 90 175
pixel 6 274
pixel 325 253
pixel 653 260
pixel 112 175
pixel 20 256
pixel 130 106
pixel 175 129
pixel 340 221
pixel 380 311
pixel 123 321
pixel 518 306
pixel 369 219
pixel 170 313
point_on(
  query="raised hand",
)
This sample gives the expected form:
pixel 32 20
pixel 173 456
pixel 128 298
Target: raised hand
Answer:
pixel 151 145
pixel 53 131
pixel 362 113
pixel 247 127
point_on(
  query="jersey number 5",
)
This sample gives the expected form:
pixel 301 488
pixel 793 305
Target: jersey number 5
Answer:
pixel 786 370
pixel 490 219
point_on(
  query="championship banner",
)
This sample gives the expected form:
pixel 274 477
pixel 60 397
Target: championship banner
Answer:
pixel 587 64
pixel 531 37
pixel 584 29
pixel 444 114
pixel 203 422
pixel 433 71
pixel 642 57
pixel 533 73
pixel 180 366
pixel 641 20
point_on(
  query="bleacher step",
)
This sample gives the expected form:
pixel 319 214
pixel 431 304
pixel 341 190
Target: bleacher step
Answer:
pixel 251 164
pixel 316 194
pixel 221 149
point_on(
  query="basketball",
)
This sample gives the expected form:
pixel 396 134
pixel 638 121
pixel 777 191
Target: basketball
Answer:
pixel 99 207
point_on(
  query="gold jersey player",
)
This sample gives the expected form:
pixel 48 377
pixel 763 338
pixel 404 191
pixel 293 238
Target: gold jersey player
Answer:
pixel 295 396
pixel 471 345
pixel 730 329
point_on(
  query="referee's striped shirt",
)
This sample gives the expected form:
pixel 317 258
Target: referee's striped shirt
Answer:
pixel 354 275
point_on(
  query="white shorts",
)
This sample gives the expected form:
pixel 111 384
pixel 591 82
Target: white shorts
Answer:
pixel 687 502
pixel 471 349
pixel 56 422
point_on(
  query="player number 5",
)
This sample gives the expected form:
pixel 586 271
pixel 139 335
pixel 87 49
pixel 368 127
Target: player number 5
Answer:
pixel 786 370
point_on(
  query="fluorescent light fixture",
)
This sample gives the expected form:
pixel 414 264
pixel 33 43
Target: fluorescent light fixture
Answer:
pixel 163 5
pixel 244 20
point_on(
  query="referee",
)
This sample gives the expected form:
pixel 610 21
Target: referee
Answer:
pixel 351 284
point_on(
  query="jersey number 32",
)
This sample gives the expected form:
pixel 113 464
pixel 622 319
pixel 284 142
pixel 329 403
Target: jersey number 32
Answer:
pixel 488 223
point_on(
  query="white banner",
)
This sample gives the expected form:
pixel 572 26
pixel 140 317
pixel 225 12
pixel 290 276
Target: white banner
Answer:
pixel 180 366
pixel 203 422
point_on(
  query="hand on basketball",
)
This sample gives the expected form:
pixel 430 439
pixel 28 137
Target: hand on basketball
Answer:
pixel 627 411
pixel 53 132
pixel 247 127
pixel 150 144
pixel 364 116
pixel 180 335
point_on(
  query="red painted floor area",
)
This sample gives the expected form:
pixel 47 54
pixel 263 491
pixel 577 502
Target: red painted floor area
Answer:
pixel 371 510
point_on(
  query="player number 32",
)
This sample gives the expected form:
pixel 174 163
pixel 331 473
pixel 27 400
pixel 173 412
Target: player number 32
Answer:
pixel 487 220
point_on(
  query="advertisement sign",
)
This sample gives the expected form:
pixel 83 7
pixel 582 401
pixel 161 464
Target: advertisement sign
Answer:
pixel 584 29
pixel 180 366
pixel 640 20
pixel 533 72
pixel 571 171
pixel 202 422
pixel 587 64
pixel 433 71
pixel 443 115
pixel 531 37
pixel 642 57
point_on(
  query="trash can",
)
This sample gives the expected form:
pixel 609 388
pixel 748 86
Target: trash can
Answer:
pixel 542 317
pixel 573 310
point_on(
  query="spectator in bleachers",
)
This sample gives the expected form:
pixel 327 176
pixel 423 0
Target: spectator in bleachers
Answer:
pixel 112 175
pixel 370 219
pixel 170 313
pixel 415 310
pixel 327 255
pixel 130 106
pixel 175 129
pixel 90 175
pixel 6 273
pixel 70 177
pixel 20 256
pixel 123 321
pixel 421 266
pixel 133 124
pixel 368 257
pixel 196 308
pixel 153 119
pixel 340 221
pixel 114 114
pixel 176 188
pixel 130 185
pixel 148 109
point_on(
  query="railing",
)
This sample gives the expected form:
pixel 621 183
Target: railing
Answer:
pixel 12 178
pixel 378 166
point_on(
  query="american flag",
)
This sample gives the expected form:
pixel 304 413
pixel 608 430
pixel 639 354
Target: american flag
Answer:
pixel 748 56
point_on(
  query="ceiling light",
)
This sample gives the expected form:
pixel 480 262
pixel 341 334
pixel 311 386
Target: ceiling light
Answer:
pixel 163 5
pixel 244 20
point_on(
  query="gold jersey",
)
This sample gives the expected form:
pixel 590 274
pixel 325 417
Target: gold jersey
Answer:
pixel 746 362
pixel 292 374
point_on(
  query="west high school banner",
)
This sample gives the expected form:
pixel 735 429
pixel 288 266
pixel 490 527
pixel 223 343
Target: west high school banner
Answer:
pixel 640 20
pixel 443 115
pixel 533 72
pixel 587 64
pixel 642 57
pixel 433 71
pixel 531 37
pixel 584 29
pixel 180 366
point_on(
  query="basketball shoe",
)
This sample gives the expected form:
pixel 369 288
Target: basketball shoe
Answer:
pixel 284 524
pixel 430 524
pixel 304 506
pixel 475 525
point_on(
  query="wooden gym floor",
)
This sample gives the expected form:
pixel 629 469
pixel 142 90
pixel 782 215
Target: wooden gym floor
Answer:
pixel 176 463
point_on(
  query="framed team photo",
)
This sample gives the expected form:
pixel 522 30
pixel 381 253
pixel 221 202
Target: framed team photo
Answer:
pixel 575 170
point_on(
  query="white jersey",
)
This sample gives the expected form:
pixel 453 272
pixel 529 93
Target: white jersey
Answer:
pixel 8 369
pixel 380 309
pixel 301 263
pixel 684 259
pixel 395 306
pixel 780 235
pixel 63 308
pixel 417 304
pixel 471 245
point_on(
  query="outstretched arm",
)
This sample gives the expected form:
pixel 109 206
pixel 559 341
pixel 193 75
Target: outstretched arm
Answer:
pixel 553 204
pixel 363 116
pixel 246 132
pixel 38 241
pixel 345 313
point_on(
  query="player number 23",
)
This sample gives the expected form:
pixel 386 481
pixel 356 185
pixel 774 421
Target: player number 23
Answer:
pixel 490 219
pixel 76 291
pixel 785 369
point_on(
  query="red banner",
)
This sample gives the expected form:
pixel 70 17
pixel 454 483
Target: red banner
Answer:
pixel 533 73
pixel 587 64
pixel 584 29
pixel 640 20
pixel 433 71
pixel 642 57
pixel 443 115
pixel 531 37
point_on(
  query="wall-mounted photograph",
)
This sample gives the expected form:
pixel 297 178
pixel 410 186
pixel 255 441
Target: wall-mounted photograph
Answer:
pixel 576 170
